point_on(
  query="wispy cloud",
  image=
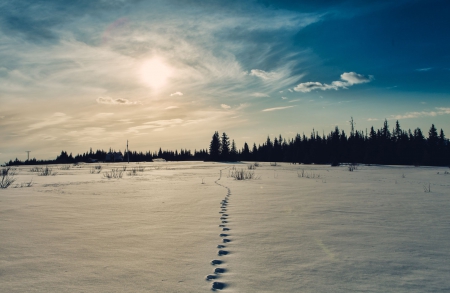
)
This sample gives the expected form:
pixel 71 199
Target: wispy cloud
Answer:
pixel 265 75
pixel 260 95
pixel 276 109
pixel 171 107
pixel 55 119
pixel 156 125
pixel 424 69
pixel 347 79
pixel 111 101
pixel 439 111
pixel 225 106
pixel 176 94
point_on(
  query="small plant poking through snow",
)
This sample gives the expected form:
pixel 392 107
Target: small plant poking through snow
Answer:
pixel 46 171
pixel 303 174
pixel 64 167
pixel 7 177
pixel 427 187
pixel 273 164
pixel 96 169
pixel 115 173
pixel 352 167
pixel 25 184
pixel 134 171
pixel 243 174
pixel 251 167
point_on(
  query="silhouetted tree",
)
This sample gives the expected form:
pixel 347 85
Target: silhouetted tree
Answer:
pixel 225 147
pixel 215 147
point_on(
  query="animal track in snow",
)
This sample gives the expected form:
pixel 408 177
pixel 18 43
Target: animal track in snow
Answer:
pixel 211 277
pixel 224 219
pixel 219 270
pixel 218 286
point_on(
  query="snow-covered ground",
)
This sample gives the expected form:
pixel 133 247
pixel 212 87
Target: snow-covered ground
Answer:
pixel 371 230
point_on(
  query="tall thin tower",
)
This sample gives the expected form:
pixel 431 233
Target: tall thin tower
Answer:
pixel 128 153
pixel 28 157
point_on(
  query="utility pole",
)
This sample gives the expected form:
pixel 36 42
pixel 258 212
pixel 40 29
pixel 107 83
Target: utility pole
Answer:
pixel 128 153
pixel 28 155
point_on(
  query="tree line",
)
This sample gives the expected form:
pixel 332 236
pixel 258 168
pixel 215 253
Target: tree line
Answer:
pixel 382 146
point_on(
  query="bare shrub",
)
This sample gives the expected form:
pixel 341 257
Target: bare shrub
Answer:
pixel 257 164
pixel 27 184
pixel 427 187
pixel 115 173
pixel 273 164
pixel 64 167
pixel 243 175
pixel 95 169
pixel 251 167
pixel 134 171
pixel 24 184
pixel 352 167
pixel 7 177
pixel 35 169
pixel 307 174
pixel 46 171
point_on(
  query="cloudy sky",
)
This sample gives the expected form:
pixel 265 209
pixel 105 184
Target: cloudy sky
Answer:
pixel 81 74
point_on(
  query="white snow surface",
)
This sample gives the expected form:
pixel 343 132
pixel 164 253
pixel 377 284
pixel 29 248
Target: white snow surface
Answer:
pixel 371 230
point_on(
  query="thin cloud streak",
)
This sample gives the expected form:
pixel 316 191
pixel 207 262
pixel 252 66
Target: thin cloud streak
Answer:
pixel 277 109
pixel 347 79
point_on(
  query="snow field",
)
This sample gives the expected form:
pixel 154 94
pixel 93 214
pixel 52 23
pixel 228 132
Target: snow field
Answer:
pixel 371 230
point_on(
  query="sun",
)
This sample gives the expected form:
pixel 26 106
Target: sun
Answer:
pixel 155 73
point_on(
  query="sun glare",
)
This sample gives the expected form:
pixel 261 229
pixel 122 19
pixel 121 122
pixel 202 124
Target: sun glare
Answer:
pixel 155 73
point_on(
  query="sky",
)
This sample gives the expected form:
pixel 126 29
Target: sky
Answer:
pixel 76 75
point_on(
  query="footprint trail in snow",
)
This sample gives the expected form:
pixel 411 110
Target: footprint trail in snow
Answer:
pixel 223 251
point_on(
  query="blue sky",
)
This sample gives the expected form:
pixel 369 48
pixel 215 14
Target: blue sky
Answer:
pixel 81 74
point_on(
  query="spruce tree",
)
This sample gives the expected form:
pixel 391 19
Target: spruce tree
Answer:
pixel 225 147
pixel 214 147
pixel 233 151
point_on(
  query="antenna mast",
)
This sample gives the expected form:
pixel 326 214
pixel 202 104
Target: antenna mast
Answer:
pixel 28 152
pixel 128 153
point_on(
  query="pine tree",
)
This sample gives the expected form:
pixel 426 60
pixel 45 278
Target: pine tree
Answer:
pixel 233 151
pixel 245 152
pixel 225 147
pixel 214 147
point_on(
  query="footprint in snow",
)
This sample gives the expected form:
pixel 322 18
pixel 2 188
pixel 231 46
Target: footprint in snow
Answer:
pixel 216 262
pixel 222 252
pixel 218 286
pixel 211 277
pixel 219 270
